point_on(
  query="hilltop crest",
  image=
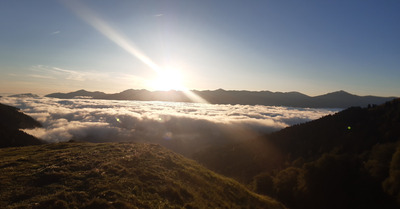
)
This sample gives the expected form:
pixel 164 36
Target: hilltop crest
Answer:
pixel 115 175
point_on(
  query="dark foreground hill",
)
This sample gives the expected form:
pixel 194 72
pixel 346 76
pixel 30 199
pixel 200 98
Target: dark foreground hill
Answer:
pixel 11 120
pixel 115 175
pixel 351 131
pixel 339 99
pixel 347 160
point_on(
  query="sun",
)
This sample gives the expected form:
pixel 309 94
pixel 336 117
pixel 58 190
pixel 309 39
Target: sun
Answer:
pixel 167 79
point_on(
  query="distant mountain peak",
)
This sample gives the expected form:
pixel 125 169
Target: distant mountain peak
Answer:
pixel 340 92
pixel 81 91
pixel 133 90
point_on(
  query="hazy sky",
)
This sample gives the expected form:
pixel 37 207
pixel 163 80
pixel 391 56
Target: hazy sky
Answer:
pixel 313 47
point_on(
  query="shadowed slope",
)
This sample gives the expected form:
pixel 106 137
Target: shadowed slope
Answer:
pixel 115 175
pixel 11 120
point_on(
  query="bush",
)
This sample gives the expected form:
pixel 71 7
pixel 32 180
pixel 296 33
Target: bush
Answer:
pixel 287 183
pixel 392 184
pixel 263 184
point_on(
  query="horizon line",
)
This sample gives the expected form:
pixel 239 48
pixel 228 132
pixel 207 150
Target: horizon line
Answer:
pixel 219 89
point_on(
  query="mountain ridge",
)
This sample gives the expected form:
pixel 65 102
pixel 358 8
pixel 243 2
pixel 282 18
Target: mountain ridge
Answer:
pixel 337 99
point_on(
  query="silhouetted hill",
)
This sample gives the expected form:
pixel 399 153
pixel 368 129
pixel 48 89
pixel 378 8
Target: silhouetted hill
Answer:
pixel 78 94
pixel 344 99
pixel 115 175
pixel 255 98
pixel 338 99
pixel 346 160
pixel 24 95
pixel 11 120
pixel 130 94
pixel 352 130
pixel 145 95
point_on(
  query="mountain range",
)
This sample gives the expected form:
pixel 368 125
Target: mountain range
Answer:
pixel 339 99
pixel 24 95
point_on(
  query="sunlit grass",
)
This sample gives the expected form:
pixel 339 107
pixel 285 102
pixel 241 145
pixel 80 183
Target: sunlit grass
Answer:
pixel 114 175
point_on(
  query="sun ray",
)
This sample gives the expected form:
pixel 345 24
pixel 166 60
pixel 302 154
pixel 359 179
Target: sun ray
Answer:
pixel 167 80
pixel 101 26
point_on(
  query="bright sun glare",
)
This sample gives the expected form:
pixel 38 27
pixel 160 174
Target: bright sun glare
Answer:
pixel 167 79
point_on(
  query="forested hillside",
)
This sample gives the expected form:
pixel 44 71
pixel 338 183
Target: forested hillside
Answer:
pixel 346 160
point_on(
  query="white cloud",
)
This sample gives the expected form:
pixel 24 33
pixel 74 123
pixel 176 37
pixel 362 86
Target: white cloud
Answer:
pixel 169 123
pixel 48 71
pixel 66 80
pixel 41 76
pixel 55 32
pixel 72 75
pixel 43 71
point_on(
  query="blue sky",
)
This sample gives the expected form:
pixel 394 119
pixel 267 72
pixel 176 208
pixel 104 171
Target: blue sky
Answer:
pixel 313 47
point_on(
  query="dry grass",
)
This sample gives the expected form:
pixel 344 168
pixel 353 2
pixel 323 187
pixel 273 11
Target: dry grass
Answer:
pixel 114 175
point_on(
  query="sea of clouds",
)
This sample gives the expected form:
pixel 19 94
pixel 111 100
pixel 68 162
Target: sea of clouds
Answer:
pixel 161 122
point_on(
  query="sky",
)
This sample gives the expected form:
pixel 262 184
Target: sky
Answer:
pixel 313 47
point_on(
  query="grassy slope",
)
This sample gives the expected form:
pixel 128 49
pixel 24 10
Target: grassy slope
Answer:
pixel 114 175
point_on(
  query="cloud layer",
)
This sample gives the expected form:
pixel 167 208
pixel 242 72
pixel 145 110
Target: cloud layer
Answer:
pixel 170 123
